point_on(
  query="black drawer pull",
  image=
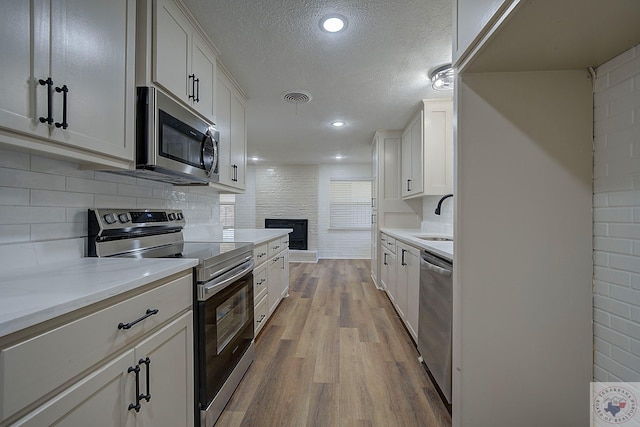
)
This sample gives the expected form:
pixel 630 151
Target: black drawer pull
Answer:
pixel 149 313
pixel 137 404
pixel 262 318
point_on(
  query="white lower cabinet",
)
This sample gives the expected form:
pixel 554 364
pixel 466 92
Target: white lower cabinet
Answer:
pixel 270 278
pixel 89 369
pixel 408 282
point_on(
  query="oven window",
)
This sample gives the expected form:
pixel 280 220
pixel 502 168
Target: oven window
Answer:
pixel 231 316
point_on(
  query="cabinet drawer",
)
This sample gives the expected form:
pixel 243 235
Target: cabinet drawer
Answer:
pixel 388 242
pixel 260 253
pixel 260 315
pixel 275 246
pixel 284 242
pixel 26 367
pixel 259 283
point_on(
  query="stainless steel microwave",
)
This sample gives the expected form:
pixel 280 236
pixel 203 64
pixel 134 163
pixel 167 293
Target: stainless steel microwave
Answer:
pixel 173 144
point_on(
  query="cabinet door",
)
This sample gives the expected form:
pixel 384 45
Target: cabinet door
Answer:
pixel 406 162
pixel 238 141
pixel 171 43
pixel 223 124
pixel 168 377
pixel 100 399
pixel 438 147
pixel 412 259
pixel 203 66
pixel 92 55
pixel 417 155
pixel 274 283
pixel 284 278
pixel 23 99
pixel 401 283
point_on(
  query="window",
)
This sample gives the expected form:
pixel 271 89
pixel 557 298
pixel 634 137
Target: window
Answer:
pixel 228 210
pixel 350 204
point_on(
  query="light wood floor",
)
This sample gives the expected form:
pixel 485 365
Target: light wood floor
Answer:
pixel 335 353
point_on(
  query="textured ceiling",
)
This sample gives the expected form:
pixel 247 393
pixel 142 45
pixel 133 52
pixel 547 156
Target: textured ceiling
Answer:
pixel 372 76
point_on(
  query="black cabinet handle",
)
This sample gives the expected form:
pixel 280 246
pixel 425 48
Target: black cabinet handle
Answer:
pixel 402 259
pixel 385 259
pixel 147 362
pixel 197 91
pixel 261 318
pixel 408 185
pixel 49 84
pixel 149 313
pixel 64 89
pixel 193 86
pixel 136 406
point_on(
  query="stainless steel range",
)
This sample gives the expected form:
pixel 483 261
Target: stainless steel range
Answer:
pixel 223 293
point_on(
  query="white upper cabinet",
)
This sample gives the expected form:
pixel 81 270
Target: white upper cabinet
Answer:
pixel 183 63
pixel 68 78
pixel 471 18
pixel 232 125
pixel 427 151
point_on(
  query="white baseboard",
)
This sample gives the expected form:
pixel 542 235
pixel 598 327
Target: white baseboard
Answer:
pixel 296 255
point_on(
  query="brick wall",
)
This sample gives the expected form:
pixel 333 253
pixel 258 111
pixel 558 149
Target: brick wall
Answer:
pixel 288 191
pixel 616 213
pixel 46 199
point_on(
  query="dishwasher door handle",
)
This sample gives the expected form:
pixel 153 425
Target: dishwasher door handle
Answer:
pixel 426 264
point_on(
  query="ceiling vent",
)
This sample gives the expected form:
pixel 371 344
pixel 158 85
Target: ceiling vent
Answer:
pixel 297 97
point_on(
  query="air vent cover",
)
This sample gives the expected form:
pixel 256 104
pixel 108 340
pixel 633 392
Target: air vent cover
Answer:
pixel 297 97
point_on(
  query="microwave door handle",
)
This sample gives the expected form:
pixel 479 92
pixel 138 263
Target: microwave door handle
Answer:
pixel 215 286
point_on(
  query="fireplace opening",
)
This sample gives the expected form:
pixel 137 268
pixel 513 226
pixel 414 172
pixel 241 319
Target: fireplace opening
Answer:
pixel 298 237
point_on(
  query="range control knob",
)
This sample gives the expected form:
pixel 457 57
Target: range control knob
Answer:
pixel 123 217
pixel 172 216
pixel 110 218
pixel 180 216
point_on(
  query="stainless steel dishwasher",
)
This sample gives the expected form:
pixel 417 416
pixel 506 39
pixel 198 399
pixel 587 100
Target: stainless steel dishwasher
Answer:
pixel 435 317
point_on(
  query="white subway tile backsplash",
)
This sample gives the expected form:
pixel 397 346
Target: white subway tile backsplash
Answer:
pixel 83 185
pixel 600 259
pixel 620 90
pixel 29 179
pixel 627 327
pixel 44 199
pixel 622 278
pixel 14 233
pixel 605 244
pixel 31 214
pixel 603 70
pixel 615 368
pixel 59 167
pixel 624 198
pixel 626 70
pixel 609 335
pixel 630 296
pixel 601 346
pixel 14 160
pixel 613 183
pixel 601 317
pixel 613 214
pixel 14 196
pixel 624 262
pixel 64 230
pixel 60 198
pixel 625 231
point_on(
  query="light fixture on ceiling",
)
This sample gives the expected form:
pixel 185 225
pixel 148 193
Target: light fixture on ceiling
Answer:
pixel 254 158
pixel 337 123
pixel 333 23
pixel 442 77
pixel 338 157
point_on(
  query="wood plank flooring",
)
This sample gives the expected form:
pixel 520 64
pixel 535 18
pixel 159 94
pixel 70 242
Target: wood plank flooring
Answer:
pixel 335 353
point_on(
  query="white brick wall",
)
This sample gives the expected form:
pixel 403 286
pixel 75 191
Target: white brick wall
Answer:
pixel 47 199
pixel 246 202
pixel 288 191
pixel 616 214
pixel 344 244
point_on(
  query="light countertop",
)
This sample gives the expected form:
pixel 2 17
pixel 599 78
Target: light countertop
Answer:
pixel 257 236
pixel 31 295
pixel 409 236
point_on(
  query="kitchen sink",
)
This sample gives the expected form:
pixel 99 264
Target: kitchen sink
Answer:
pixel 436 238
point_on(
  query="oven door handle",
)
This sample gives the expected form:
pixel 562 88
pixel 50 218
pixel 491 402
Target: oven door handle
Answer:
pixel 219 283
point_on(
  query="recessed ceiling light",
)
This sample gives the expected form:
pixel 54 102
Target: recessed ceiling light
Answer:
pixel 338 157
pixel 333 23
pixel 337 123
pixel 255 158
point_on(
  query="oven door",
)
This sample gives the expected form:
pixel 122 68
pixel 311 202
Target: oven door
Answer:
pixel 224 325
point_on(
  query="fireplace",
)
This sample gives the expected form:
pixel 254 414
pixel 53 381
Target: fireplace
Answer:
pixel 298 237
